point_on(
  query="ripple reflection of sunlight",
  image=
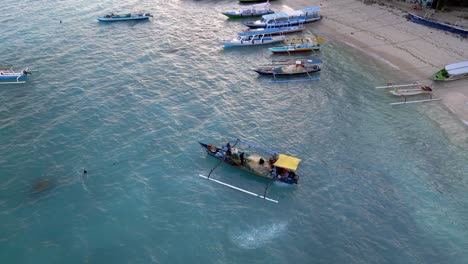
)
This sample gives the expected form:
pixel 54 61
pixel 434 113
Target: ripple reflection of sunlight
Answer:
pixel 258 237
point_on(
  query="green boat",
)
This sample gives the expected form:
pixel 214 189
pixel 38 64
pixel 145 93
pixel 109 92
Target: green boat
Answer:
pixel 250 11
pixel 452 72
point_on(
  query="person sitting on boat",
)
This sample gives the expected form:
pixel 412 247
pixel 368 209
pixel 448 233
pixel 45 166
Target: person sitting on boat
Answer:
pixel 227 149
pixel 261 161
pixel 241 157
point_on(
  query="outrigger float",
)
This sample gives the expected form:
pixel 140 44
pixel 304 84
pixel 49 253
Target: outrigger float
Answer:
pixel 9 76
pixel 254 38
pixel 294 45
pixel 419 89
pixel 291 68
pixel 276 167
pixel 250 11
pixel 124 17
pixel 284 19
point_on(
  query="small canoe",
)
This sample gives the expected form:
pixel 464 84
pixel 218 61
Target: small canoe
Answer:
pixel 124 17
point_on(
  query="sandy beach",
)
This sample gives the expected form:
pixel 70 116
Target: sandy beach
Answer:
pixel 415 51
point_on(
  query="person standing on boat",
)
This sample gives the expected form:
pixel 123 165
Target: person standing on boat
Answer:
pixel 241 157
pixel 227 149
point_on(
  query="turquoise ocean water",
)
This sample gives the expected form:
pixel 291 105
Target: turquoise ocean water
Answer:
pixel 128 103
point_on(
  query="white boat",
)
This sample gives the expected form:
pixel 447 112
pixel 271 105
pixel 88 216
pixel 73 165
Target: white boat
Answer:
pixel 253 39
pixel 250 11
pixel 452 72
pixel 291 18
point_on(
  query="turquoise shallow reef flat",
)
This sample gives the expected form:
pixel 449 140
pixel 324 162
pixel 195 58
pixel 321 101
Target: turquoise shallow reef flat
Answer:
pixel 128 101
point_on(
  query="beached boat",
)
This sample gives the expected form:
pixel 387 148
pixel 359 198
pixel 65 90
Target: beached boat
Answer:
pixel 276 31
pixel 9 76
pixel 418 89
pixel 452 72
pixel 124 17
pixel 294 45
pixel 253 39
pixel 250 11
pixel 439 25
pixel 297 67
pixel 250 158
pixel 284 19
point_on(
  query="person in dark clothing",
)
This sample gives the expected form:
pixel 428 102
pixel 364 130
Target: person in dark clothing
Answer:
pixel 241 156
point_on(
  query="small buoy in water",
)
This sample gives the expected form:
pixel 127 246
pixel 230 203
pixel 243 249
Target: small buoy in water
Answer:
pixel 85 171
pixel 60 21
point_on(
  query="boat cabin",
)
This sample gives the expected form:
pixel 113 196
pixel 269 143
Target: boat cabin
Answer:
pixel 451 72
pixel 295 17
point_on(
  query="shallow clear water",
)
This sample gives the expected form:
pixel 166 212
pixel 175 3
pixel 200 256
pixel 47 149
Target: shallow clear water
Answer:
pixel 128 103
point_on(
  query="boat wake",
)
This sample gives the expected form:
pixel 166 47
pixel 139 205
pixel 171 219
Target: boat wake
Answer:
pixel 258 237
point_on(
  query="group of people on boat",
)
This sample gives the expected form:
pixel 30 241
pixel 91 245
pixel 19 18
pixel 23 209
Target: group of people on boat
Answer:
pixel 276 172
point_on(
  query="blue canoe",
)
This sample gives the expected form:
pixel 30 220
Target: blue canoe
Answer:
pixel 439 25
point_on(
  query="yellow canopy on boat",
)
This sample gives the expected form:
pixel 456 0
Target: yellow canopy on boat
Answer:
pixel 287 162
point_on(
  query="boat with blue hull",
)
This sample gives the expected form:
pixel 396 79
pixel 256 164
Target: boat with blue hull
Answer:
pixel 297 67
pixel 254 38
pixel 9 76
pixel 250 157
pixel 439 25
pixel 124 17
pixel 284 19
pixel 276 31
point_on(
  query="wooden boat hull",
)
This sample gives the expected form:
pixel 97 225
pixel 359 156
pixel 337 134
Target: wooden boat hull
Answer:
pixel 252 42
pixel 288 50
pixel 439 25
pixel 296 22
pixel 233 14
pixel 279 71
pixel 125 18
pixel 252 167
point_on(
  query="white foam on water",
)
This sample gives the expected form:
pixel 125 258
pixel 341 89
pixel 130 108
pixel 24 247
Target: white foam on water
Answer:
pixel 258 237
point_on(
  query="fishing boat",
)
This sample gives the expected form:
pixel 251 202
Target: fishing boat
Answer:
pixel 411 89
pixel 299 66
pixel 282 19
pixel 10 76
pixel 276 31
pixel 294 45
pixel 452 72
pixel 250 11
pixel 251 158
pixel 254 38
pixel 250 1
pixel 124 17
pixel 439 25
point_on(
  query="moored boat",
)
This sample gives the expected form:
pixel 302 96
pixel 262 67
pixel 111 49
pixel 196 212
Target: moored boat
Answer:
pixel 250 157
pixel 291 18
pixel 250 11
pixel 124 17
pixel 276 31
pixel 294 45
pixel 452 72
pixel 411 89
pixel 300 66
pixel 9 76
pixel 253 39
pixel 439 25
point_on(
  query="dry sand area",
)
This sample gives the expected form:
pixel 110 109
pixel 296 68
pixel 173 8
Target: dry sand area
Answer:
pixel 381 30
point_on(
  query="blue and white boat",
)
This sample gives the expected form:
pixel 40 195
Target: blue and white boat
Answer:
pixel 435 24
pixel 254 38
pixel 277 30
pixel 10 76
pixel 285 19
pixel 124 17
